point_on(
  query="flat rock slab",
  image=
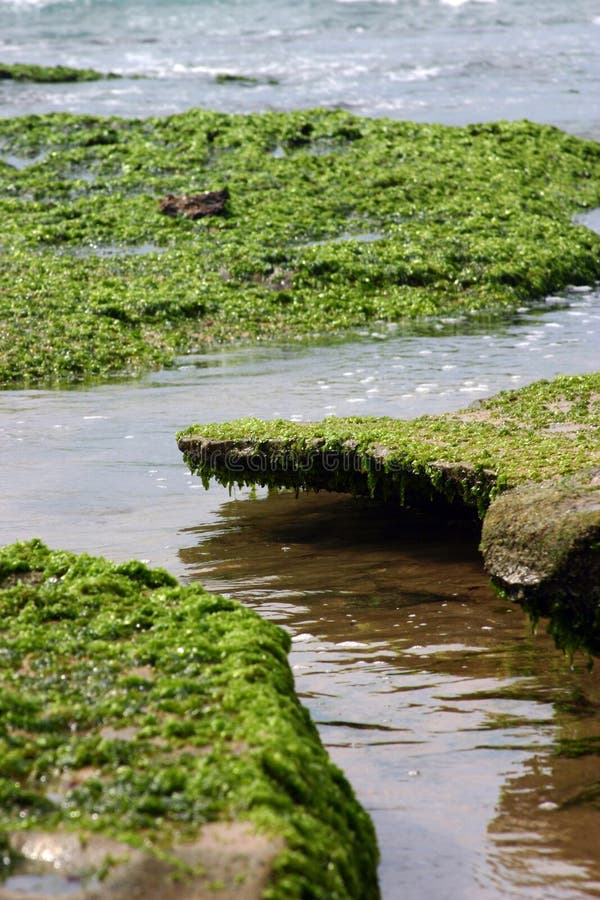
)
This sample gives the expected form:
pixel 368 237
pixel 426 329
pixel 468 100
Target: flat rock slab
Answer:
pixel 536 449
pixel 346 468
pixel 229 860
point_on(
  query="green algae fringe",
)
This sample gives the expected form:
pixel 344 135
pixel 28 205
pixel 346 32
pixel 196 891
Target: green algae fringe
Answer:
pixel 135 707
pixel 333 222
pixel 546 429
pixel 546 434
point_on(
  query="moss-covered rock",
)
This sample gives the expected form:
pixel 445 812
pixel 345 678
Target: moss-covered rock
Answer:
pixel 49 74
pixel 467 457
pixel 138 711
pixel 535 447
pixel 332 222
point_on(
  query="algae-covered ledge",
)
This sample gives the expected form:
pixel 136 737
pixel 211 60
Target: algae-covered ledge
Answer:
pixel 526 461
pixel 151 743
pixel 332 222
pixel 468 456
pixel 49 74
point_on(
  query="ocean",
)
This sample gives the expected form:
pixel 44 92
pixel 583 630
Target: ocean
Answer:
pixel 450 61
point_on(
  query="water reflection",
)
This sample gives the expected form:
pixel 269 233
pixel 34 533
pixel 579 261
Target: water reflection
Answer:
pixel 434 696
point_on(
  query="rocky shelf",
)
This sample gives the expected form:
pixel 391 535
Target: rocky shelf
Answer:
pixel 526 462
pixel 443 221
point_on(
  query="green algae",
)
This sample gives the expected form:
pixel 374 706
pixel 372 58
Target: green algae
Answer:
pixel 531 434
pixel 248 80
pixel 538 447
pixel 574 748
pixel 137 708
pixel 49 74
pixel 466 219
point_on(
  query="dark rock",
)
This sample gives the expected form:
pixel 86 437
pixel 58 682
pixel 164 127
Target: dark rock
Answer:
pixel 195 206
pixel 345 467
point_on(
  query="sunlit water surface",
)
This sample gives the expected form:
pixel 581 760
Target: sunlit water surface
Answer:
pixel 98 468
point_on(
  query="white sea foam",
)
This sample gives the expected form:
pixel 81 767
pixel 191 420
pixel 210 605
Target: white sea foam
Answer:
pixel 24 4
pixel 419 73
pixel 303 637
pixel 371 57
pixel 457 3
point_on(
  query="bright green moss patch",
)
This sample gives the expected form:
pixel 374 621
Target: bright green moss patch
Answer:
pixel 538 432
pixel 333 222
pixel 134 707
pixel 49 74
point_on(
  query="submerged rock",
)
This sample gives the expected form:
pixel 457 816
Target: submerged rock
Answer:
pixel 228 857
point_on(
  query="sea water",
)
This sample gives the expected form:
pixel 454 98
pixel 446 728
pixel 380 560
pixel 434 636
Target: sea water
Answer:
pixel 450 61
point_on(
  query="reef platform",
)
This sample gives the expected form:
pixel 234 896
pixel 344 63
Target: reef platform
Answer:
pixel 525 462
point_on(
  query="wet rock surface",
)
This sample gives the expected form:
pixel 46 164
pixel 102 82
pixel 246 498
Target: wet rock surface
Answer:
pixel 194 206
pixel 541 545
pixel 229 859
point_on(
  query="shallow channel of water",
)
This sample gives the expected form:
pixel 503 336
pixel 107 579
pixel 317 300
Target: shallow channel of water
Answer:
pixel 435 697
pixel 441 706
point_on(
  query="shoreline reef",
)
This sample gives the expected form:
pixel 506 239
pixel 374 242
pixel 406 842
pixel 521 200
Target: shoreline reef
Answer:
pixel 526 463
pixel 152 744
pixel 50 74
pixel 331 223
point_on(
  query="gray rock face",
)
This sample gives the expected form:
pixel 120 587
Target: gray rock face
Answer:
pixel 541 545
